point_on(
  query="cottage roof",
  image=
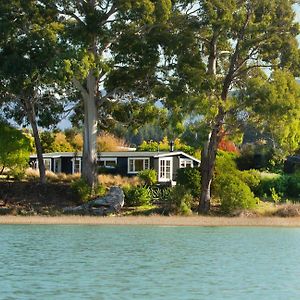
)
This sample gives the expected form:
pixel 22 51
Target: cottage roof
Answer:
pixel 119 154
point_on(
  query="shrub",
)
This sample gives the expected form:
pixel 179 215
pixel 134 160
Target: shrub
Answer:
pixel 226 165
pixel 233 193
pixel 250 177
pixel 160 194
pixel 149 177
pixel 293 185
pixel 276 184
pixel 179 201
pixel 282 185
pixel 84 191
pixel 137 196
pixel 15 148
pixel 189 179
pixel 225 161
pixel 255 157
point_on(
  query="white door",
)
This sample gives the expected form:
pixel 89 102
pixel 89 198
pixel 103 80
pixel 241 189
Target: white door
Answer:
pixel 165 169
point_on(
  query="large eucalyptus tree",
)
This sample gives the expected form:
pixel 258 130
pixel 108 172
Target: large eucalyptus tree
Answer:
pixel 108 46
pixel 219 46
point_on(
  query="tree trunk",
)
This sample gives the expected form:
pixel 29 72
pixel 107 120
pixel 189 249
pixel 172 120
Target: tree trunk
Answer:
pixel 208 160
pixel 89 158
pixel 39 151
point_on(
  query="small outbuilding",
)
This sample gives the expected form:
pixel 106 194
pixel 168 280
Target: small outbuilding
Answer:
pixel 129 163
pixel 292 164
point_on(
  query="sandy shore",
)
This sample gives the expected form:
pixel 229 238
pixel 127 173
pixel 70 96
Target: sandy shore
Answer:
pixel 155 220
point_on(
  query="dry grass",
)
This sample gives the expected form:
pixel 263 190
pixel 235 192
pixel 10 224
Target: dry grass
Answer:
pixel 105 179
pixel 155 221
pixel 33 175
pixel 287 210
pixel 110 180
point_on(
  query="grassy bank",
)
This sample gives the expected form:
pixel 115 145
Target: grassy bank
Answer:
pixel 204 221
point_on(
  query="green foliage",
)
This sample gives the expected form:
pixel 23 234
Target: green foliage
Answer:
pixel 255 157
pixel 276 103
pixel 137 196
pixel 179 201
pixel 28 62
pixel 160 194
pixel 84 191
pixel 233 187
pixel 15 148
pixel 217 50
pixel 275 197
pixel 55 142
pixel 164 145
pixel 226 164
pixel 225 161
pixel 293 188
pixel 189 179
pixel 47 140
pixel 250 177
pixel 149 177
pixel 281 185
pixel 233 193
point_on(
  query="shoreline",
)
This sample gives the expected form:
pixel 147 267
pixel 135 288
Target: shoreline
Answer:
pixel 199 221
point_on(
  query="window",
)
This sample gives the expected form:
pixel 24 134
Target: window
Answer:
pixel 165 169
pixel 47 163
pixel 136 165
pixel 186 163
pixel 109 163
pixel 76 165
pixel 57 165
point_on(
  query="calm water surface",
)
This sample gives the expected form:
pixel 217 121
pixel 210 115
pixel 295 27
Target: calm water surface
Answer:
pixel 139 262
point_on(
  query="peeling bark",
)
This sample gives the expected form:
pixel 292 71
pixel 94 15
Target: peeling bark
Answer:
pixel 89 157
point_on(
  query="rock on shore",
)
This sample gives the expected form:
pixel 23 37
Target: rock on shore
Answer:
pixel 112 202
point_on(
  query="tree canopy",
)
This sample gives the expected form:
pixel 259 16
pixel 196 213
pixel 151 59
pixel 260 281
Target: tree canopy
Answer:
pixel 212 49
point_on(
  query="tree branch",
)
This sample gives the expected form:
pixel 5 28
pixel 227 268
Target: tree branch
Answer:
pixel 80 87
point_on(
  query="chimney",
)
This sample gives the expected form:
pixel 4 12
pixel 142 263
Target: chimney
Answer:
pixel 171 146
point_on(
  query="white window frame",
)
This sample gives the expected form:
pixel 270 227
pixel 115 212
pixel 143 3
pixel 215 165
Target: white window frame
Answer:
pixel 50 164
pixel 73 164
pixel 137 158
pixel 184 162
pixel 164 178
pixel 105 159
pixel 36 164
pixel 57 161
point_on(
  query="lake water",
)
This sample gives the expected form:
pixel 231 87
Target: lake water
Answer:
pixel 140 262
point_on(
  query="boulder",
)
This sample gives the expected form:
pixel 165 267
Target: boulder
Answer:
pixel 112 202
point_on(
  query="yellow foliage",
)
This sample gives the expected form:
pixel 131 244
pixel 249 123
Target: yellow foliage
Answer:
pixel 61 144
pixel 78 142
pixel 109 142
